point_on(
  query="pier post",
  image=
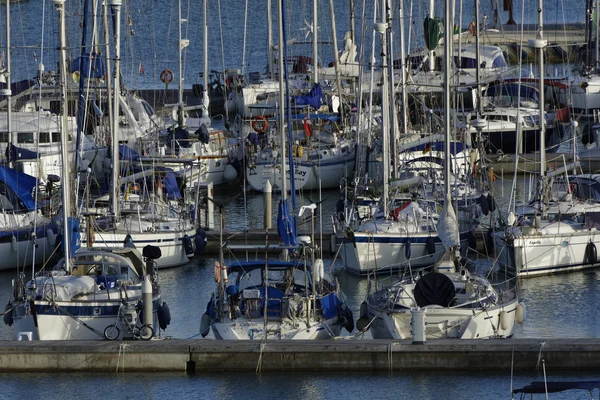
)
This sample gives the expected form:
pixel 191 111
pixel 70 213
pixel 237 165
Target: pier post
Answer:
pixel 268 205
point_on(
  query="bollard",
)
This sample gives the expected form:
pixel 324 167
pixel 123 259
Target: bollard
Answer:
pixel 147 297
pixel 418 323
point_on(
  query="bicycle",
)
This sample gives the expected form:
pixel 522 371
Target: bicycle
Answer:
pixel 127 318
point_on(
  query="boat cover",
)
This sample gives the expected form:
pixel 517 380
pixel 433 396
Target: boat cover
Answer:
pixel 553 387
pixel 434 289
pixel 21 184
pixel 64 288
pixel 313 98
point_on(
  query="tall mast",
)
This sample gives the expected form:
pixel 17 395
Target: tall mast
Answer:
pixel 179 49
pixel 205 98
pixel 282 101
pixel 447 67
pixel 270 51
pixel 66 195
pixel 385 111
pixel 430 58
pixel 393 114
pixel 338 79
pixel 116 5
pixel 315 42
pixel 12 135
pixel 477 57
pixel 540 44
pixel 403 68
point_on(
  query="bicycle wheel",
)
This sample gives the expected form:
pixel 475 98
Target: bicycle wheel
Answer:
pixel 146 332
pixel 112 332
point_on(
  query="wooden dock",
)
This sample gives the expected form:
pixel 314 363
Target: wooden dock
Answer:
pixel 346 354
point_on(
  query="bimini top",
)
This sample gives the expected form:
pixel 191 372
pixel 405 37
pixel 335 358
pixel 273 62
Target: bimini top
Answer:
pixel 553 387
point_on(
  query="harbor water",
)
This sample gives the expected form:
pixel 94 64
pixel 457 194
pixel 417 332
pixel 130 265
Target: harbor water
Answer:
pixel 561 306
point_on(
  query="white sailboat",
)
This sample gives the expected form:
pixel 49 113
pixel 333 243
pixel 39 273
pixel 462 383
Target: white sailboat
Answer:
pixel 91 291
pixel 151 221
pixel 444 303
pixel 548 242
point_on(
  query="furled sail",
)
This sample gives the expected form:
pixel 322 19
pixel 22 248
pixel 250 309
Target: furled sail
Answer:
pixel 447 226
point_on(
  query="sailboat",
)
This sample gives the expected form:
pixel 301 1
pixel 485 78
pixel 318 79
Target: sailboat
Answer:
pixel 548 240
pixel 150 220
pixel 403 231
pixel 206 155
pixel 274 299
pixel 446 303
pixel 88 293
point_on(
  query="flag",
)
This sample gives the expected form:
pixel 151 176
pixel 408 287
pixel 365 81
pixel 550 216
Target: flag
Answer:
pixel 141 69
pixel 35 57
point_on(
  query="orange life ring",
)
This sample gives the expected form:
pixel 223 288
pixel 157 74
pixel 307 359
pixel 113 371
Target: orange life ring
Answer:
pixel 472 27
pixel 260 124
pixel 167 76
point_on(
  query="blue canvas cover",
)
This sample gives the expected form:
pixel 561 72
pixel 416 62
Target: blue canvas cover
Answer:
pixel 22 185
pixel 171 187
pixel 285 224
pixel 127 153
pixel 313 98
pixel 329 304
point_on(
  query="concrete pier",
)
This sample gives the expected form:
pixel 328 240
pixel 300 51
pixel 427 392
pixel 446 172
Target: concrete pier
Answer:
pixel 333 355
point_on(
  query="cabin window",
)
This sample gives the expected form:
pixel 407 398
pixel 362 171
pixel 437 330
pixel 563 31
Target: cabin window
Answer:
pixel 55 137
pixel 4 137
pixel 44 137
pixel 465 62
pixel 25 137
pixel 499 62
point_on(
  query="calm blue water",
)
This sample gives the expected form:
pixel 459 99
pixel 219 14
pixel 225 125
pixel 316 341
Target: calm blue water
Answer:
pixel 557 306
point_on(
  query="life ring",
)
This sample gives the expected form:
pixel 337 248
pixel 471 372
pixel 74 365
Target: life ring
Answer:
pixel 167 76
pixel 472 27
pixel 260 124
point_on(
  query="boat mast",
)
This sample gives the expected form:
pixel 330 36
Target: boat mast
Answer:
pixel 540 44
pixel 205 98
pixel 477 58
pixel 66 195
pixel 403 68
pixel 282 103
pixel 431 61
pixel 338 79
pixel 270 51
pixel 315 42
pixel 8 92
pixel 385 111
pixel 83 74
pixel 116 5
pixel 447 67
pixel 393 114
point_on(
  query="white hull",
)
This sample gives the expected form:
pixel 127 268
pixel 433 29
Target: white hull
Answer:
pixel 442 322
pixel 372 251
pixel 259 175
pixel 242 329
pixel 586 99
pixel 169 242
pixel 53 322
pixel 558 247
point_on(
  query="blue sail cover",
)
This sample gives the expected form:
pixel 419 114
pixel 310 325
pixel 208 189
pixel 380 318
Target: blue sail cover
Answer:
pixel 171 186
pixel 285 224
pixel 127 153
pixel 96 62
pixel 14 153
pixel 313 98
pixel 22 184
pixel 74 235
